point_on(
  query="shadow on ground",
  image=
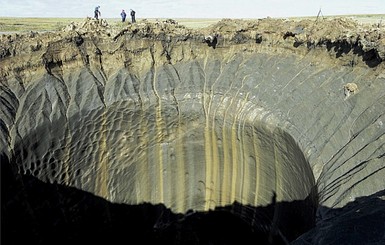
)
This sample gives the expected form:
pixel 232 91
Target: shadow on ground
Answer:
pixel 359 222
pixel 34 212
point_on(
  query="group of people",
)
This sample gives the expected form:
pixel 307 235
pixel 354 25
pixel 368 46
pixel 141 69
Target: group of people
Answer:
pixel 123 14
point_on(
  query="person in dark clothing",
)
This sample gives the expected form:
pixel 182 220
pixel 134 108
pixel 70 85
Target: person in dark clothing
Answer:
pixel 97 12
pixel 133 16
pixel 123 14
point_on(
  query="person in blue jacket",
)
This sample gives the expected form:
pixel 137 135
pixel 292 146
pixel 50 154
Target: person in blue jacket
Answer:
pixel 123 14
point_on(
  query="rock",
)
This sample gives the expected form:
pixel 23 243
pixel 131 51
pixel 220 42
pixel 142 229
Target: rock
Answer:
pixel 350 88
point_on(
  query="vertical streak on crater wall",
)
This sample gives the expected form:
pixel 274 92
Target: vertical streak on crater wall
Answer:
pixel 101 163
pixel 196 151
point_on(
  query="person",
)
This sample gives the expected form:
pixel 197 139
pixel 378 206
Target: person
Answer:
pixel 123 14
pixel 132 16
pixel 97 12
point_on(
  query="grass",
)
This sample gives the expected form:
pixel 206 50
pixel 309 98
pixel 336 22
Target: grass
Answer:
pixel 33 24
pixel 9 24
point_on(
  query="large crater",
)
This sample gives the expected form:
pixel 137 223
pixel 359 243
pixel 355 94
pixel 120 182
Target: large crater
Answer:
pixel 247 136
pixel 173 152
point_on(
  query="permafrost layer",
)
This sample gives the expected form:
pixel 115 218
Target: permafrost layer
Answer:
pixel 152 113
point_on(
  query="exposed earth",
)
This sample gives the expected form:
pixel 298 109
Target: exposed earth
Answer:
pixel 268 131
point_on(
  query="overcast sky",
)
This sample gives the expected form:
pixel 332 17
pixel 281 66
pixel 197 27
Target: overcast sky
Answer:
pixel 189 8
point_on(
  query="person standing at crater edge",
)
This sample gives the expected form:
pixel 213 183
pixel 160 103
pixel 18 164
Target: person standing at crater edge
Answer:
pixel 123 14
pixel 132 16
pixel 97 12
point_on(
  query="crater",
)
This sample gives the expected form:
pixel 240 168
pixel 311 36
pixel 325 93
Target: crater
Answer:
pixel 181 159
pixel 149 132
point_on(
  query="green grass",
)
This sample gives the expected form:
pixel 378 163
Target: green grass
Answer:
pixel 8 24
pixel 33 24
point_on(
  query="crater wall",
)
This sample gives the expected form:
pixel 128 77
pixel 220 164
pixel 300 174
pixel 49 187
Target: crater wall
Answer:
pixel 152 113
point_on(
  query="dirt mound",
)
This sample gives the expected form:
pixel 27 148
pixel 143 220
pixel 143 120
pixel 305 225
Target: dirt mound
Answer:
pixel 89 25
pixel 342 38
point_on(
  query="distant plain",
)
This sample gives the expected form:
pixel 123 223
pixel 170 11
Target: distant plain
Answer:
pixel 11 25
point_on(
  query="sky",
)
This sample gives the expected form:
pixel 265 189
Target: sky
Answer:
pixel 189 8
